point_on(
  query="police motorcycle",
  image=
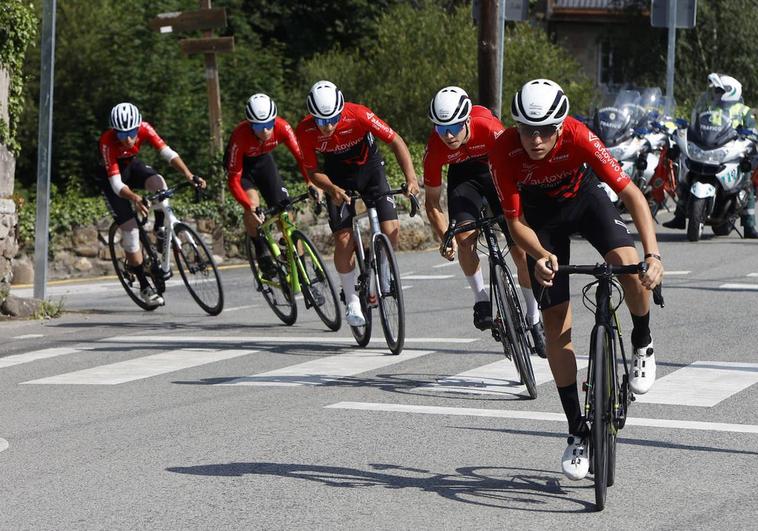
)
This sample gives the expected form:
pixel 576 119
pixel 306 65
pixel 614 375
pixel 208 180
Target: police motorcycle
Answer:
pixel 716 163
pixel 626 123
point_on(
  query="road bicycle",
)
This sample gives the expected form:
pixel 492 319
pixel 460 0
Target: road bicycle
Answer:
pixel 509 325
pixel 606 399
pixel 378 283
pixel 299 268
pixel 194 262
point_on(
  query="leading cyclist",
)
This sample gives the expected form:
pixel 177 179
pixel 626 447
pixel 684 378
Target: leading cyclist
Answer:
pixel 548 192
pixel 344 133
pixel 462 135
pixel 122 172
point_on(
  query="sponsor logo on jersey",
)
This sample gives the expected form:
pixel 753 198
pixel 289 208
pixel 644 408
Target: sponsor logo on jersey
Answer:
pixel 560 158
pixel 622 225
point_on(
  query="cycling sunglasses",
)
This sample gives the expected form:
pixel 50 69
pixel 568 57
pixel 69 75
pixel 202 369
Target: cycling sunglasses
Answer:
pixel 258 128
pixel 323 122
pixel 453 129
pixel 123 135
pixel 543 131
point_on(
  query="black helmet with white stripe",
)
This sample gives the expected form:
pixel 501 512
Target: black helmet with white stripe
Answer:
pixel 325 100
pixel 125 117
pixel 540 102
pixel 260 109
pixel 451 105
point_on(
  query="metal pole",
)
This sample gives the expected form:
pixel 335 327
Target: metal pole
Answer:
pixel 44 135
pixel 671 59
pixel 500 53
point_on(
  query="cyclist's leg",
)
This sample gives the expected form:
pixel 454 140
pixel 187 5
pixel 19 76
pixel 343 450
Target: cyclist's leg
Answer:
pixel 141 175
pixel 372 180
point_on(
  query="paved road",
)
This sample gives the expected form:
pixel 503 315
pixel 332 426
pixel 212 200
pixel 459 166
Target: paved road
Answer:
pixel 113 418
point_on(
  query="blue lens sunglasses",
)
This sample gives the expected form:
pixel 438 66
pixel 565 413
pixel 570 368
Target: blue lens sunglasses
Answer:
pixel 260 127
pixel 453 129
pixel 323 122
pixel 131 133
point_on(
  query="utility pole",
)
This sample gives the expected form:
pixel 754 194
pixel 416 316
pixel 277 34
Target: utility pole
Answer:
pixel 487 57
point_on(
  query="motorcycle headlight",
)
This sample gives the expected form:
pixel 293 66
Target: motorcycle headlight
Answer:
pixel 710 156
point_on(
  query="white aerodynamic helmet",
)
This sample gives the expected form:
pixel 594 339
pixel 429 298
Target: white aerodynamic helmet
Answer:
pixel 540 102
pixel 451 105
pixel 731 87
pixel 125 117
pixel 325 100
pixel 260 109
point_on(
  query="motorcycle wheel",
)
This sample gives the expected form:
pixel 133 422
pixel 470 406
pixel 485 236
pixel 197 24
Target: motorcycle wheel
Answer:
pixel 696 219
pixel 722 229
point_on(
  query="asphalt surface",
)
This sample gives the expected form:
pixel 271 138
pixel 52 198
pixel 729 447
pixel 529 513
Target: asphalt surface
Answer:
pixel 176 420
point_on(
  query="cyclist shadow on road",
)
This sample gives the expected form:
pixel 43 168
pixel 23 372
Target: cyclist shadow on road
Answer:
pixel 508 488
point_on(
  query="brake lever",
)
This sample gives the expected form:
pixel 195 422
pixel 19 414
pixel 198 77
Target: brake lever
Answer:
pixel 658 295
pixel 414 206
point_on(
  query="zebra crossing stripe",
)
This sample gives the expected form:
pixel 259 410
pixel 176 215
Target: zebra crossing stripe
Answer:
pixel 328 369
pixel 739 287
pixel 140 368
pixel 703 383
pixel 498 378
pixel 18 359
pixel 426 277
pixel 238 340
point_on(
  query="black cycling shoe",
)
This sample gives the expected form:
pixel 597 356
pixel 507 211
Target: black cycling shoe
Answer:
pixel 483 315
pixel 750 233
pixel 538 335
pixel 677 222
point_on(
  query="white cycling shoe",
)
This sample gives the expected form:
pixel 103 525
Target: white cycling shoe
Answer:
pixel 151 298
pixel 576 459
pixel 354 315
pixel 643 370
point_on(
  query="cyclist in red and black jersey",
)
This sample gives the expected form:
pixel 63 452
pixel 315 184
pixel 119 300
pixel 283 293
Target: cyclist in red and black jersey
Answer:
pixel 344 133
pixel 249 165
pixel 122 172
pixel 548 193
pixel 463 134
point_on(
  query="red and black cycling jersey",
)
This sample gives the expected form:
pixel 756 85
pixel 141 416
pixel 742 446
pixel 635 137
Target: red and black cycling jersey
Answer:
pixel 112 150
pixel 484 128
pixel 560 174
pixel 244 144
pixel 352 141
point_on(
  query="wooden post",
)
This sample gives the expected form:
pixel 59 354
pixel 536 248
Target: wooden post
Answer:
pixel 487 54
pixel 214 93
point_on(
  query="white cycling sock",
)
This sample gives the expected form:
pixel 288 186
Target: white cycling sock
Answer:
pixel 476 281
pixel 532 308
pixel 348 286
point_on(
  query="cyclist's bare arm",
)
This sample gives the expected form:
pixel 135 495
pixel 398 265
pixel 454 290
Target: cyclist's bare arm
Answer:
pixel 526 238
pixel 636 204
pixel 438 219
pixel 322 181
pixel 178 164
pixel 405 161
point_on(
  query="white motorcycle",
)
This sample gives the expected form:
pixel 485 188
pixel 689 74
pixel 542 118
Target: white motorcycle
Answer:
pixel 716 162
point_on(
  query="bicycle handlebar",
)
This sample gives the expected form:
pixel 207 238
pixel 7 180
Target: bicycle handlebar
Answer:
pixel 162 195
pixel 403 189
pixel 454 228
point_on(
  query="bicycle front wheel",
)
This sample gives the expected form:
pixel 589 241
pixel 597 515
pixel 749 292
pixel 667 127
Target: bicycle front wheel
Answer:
pixel 125 276
pixel 511 319
pixel 602 432
pixel 390 294
pixel 316 283
pixel 362 334
pixel 198 270
pixel 276 291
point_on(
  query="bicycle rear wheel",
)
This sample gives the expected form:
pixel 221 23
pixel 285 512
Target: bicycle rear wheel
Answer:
pixel 276 291
pixel 127 278
pixel 390 294
pixel 602 421
pixel 198 270
pixel 511 318
pixel 316 282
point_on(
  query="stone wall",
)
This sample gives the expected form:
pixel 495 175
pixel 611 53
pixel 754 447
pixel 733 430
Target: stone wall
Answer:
pixel 8 218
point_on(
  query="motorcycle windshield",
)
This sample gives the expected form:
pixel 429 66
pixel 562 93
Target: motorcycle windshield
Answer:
pixel 711 126
pixel 614 121
pixel 652 103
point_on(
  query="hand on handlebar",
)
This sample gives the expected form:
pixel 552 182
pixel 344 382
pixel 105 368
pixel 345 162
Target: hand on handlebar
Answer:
pixel 448 252
pixel 654 274
pixel 411 187
pixel 258 216
pixel 544 270
pixel 141 206
pixel 198 181
pixel 338 195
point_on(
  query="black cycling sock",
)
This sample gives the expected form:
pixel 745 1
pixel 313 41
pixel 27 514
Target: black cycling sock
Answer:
pixel 259 242
pixel 160 217
pixel 641 330
pixel 139 272
pixel 570 402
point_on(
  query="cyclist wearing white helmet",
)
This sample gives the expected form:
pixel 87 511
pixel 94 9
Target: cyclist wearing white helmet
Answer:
pixel 344 133
pixel 249 165
pixel 122 172
pixel 725 93
pixel 463 134
pixel 548 193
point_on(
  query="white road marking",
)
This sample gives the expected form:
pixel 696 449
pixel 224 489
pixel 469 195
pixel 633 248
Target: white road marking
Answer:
pixel 426 277
pixel 676 273
pixel 407 287
pixel 703 383
pixel 498 378
pixel 3 445
pixel 739 287
pixel 28 336
pixel 328 369
pixel 241 308
pixel 145 367
pixel 83 289
pixel 237 340
pixel 752 274
pixel 446 264
pixel 541 415
pixel 18 359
